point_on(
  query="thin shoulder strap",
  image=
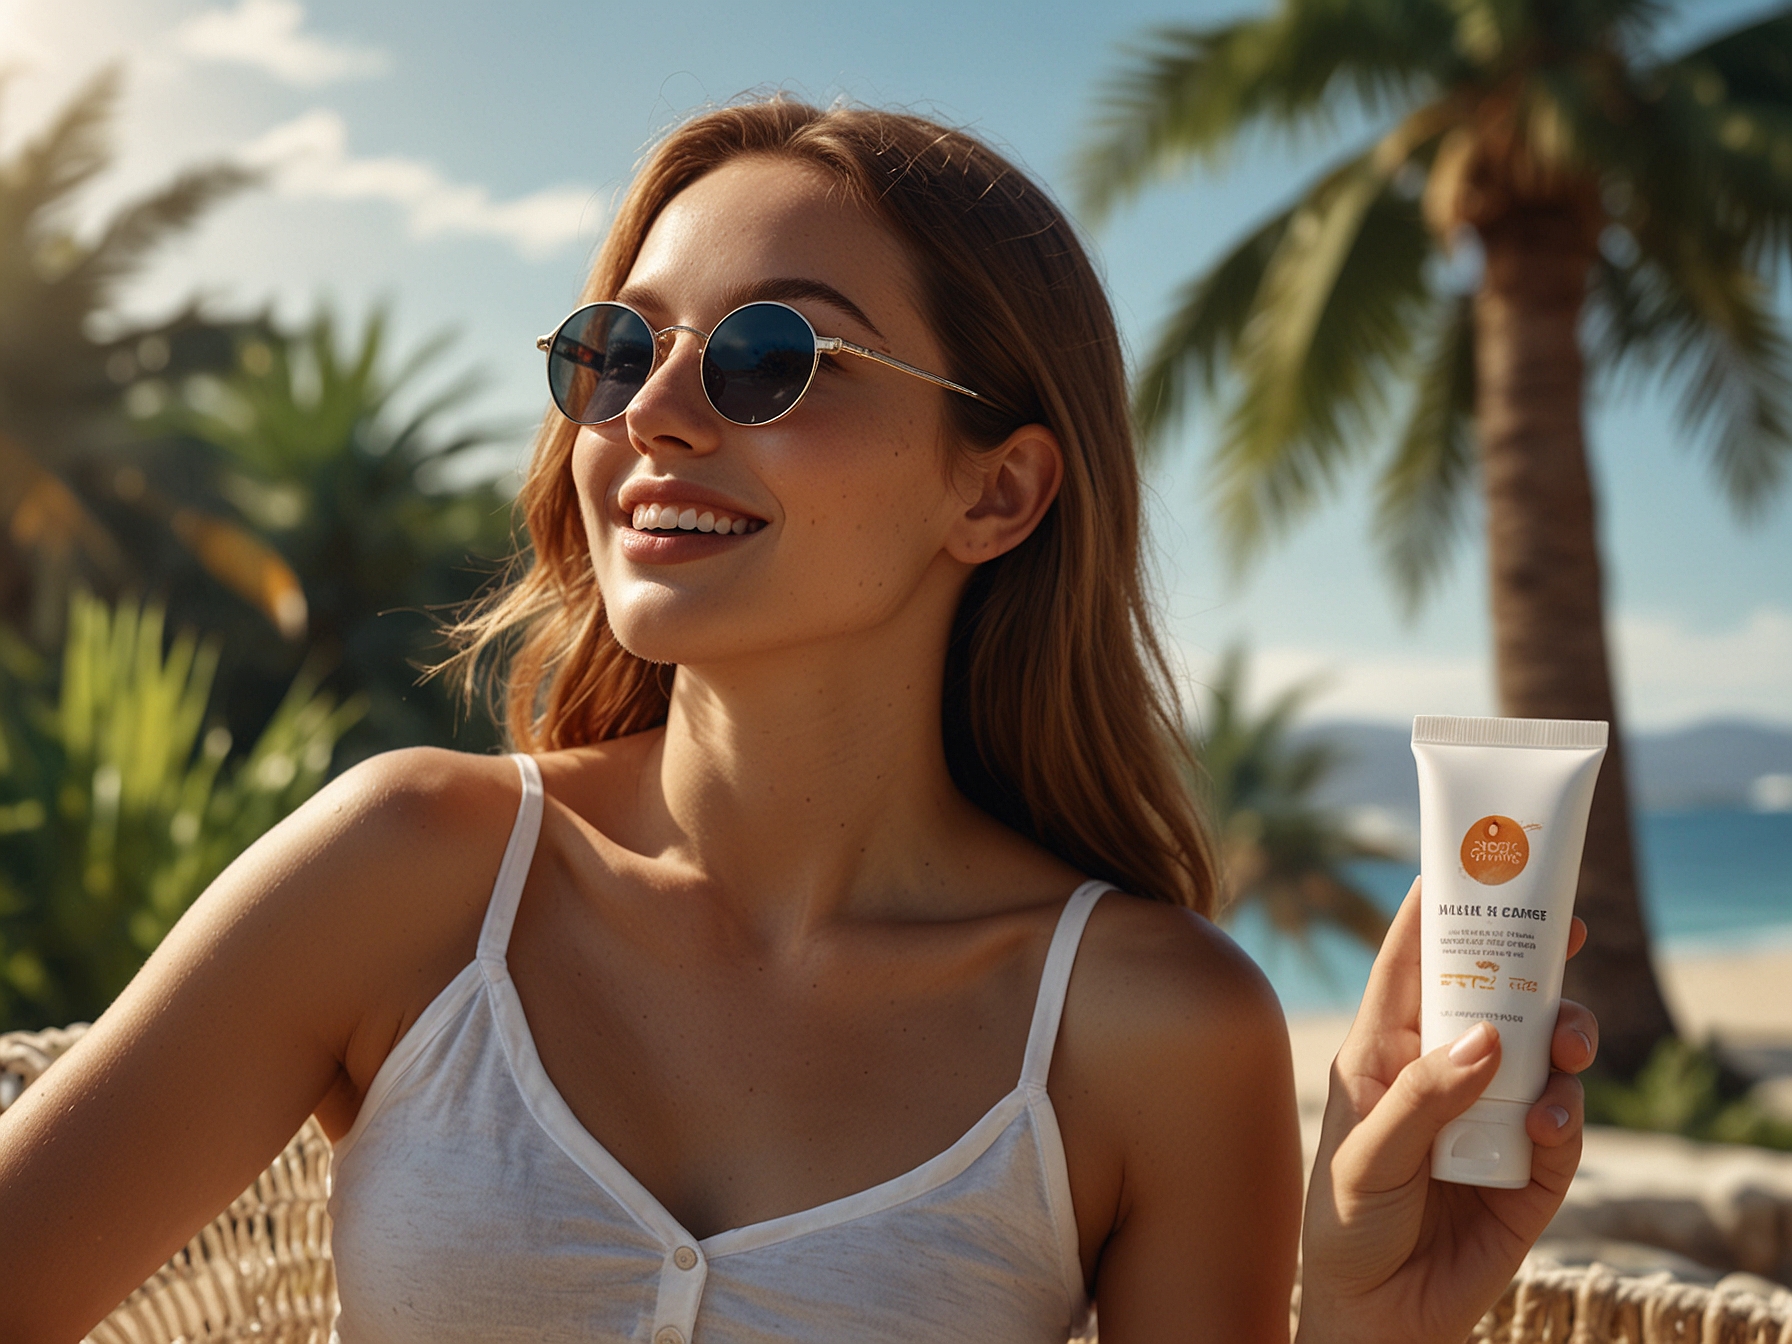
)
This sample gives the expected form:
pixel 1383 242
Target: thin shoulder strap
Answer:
pixel 507 891
pixel 1048 1010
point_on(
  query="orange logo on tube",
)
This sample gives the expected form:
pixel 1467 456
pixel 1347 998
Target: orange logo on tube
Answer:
pixel 1495 850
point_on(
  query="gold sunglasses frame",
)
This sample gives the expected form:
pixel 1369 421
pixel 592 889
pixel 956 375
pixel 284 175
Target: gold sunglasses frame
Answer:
pixel 824 345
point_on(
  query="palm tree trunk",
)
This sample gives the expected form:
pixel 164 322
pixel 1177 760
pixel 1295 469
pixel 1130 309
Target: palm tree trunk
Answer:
pixel 1547 589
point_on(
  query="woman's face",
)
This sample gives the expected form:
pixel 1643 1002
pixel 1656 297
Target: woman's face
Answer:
pixel 848 496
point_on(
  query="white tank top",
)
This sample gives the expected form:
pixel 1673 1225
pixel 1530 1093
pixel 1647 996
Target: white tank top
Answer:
pixel 469 1204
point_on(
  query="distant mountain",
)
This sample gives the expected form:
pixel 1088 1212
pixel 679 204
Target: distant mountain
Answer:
pixel 1710 765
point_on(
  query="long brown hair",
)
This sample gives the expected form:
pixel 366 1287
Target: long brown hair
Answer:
pixel 1060 714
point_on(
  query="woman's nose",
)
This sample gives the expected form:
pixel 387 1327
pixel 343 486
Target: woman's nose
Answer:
pixel 670 412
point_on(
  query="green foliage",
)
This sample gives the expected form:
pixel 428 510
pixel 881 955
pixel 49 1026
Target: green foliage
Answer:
pixel 1680 1091
pixel 1334 328
pixel 337 454
pixel 1278 848
pixel 118 805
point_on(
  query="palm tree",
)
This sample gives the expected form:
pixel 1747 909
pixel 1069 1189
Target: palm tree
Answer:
pixel 68 449
pixel 1278 848
pixel 1630 213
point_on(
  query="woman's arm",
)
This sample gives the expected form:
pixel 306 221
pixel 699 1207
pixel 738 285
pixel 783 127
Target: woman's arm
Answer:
pixel 281 986
pixel 1177 1065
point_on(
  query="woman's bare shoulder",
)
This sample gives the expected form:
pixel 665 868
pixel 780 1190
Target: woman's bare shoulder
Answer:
pixel 1157 974
pixel 1168 1025
pixel 420 809
pixel 421 786
pixel 402 843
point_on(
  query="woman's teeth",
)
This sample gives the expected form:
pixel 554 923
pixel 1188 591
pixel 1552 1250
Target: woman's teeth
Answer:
pixel 688 518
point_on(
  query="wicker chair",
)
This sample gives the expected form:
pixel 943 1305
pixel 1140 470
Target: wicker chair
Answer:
pixel 262 1269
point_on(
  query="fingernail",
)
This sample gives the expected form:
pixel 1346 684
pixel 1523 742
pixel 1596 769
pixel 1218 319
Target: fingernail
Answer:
pixel 1473 1046
pixel 1585 1040
pixel 1559 1115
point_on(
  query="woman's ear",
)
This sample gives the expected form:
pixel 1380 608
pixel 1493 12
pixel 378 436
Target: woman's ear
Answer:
pixel 1006 492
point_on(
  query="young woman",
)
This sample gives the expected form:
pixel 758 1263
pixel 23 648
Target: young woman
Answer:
pixel 833 966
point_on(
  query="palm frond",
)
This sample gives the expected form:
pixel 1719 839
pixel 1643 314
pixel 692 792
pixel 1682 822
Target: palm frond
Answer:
pixel 40 512
pixel 1333 324
pixel 1421 493
pixel 1586 25
pixel 1712 140
pixel 144 225
pixel 64 157
pixel 1708 321
pixel 244 563
pixel 1498 34
pixel 1186 94
pixel 1753 63
pixel 1203 331
pixel 1281 850
pixel 1738 396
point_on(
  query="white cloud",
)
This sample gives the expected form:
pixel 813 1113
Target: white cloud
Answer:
pixel 269 35
pixel 309 156
pixel 1674 675
pixel 1669 674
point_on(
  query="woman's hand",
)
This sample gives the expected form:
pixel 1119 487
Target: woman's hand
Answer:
pixel 1389 1253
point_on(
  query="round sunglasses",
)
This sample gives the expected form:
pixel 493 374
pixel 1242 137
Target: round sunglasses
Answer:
pixel 757 363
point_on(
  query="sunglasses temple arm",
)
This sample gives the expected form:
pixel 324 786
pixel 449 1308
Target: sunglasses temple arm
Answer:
pixel 832 344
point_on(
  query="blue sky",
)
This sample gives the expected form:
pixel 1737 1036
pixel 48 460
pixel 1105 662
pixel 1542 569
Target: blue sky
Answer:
pixel 459 161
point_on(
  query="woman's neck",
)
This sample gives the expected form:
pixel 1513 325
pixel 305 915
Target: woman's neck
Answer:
pixel 811 785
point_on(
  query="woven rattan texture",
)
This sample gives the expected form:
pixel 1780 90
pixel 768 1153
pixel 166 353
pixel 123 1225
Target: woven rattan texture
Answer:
pixel 1593 1305
pixel 261 1270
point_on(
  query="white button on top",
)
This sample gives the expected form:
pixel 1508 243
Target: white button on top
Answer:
pixel 669 1334
pixel 685 1258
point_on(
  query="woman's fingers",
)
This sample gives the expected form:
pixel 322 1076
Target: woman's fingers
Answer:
pixel 1558 1114
pixel 1576 1038
pixel 1577 935
pixel 1555 1126
pixel 1392 1144
pixel 1384 1035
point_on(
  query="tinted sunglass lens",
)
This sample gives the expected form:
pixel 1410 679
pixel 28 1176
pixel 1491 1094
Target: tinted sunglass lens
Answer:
pixel 758 362
pixel 599 359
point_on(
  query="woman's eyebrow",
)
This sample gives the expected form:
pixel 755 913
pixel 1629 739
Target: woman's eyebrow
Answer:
pixel 781 288
pixel 787 287
pixel 791 287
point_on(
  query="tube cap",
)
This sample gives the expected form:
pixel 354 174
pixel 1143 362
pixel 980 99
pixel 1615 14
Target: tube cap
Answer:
pixel 1485 1145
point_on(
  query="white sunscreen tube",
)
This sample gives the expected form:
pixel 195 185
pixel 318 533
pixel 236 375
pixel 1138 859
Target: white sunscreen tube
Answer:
pixel 1502 816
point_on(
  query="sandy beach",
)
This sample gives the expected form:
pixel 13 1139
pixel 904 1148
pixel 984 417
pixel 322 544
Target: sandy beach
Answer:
pixel 1742 998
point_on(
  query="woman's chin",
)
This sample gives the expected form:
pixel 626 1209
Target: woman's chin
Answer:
pixel 686 641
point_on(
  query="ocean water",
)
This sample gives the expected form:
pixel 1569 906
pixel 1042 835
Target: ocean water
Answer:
pixel 1714 881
